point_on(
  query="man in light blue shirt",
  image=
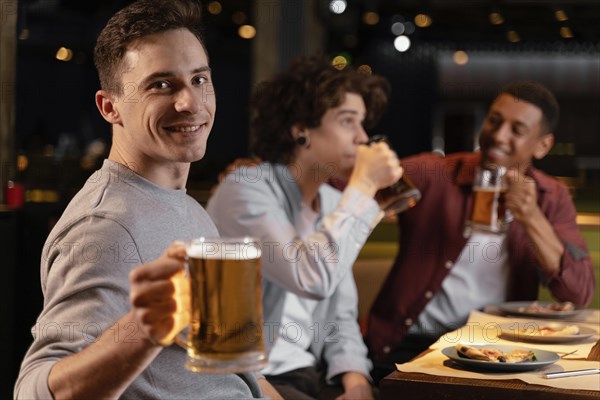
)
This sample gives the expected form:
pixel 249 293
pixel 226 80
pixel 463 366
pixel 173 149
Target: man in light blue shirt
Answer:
pixel 308 128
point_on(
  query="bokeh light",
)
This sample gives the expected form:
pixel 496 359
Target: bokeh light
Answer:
pixel 409 28
pixel 496 18
pixel 214 7
pixel 339 62
pixel 338 6
pixel 566 32
pixel 371 18
pixel 423 20
pixel 365 69
pixel 513 36
pixel 247 31
pixel 402 43
pixel 561 15
pixel 397 28
pixel 460 57
pixel 64 54
pixel 22 162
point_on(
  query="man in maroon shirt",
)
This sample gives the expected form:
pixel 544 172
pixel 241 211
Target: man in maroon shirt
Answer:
pixel 430 285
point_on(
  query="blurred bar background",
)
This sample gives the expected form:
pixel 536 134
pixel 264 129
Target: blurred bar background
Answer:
pixel 445 59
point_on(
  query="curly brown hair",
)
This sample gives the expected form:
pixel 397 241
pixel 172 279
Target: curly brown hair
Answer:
pixel 300 95
pixel 142 18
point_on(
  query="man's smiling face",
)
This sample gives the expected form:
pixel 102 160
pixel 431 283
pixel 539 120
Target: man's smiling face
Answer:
pixel 167 106
pixel 512 133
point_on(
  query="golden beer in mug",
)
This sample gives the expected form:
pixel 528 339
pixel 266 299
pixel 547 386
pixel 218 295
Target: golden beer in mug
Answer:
pixel 225 331
pixel 488 207
pixel 489 212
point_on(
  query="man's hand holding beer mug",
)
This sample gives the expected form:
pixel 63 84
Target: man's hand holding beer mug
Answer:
pixel 160 295
pixel 401 194
pixel 521 196
pixel 218 299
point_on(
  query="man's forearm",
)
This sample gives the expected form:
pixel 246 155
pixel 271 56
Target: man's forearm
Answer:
pixel 549 248
pixel 105 368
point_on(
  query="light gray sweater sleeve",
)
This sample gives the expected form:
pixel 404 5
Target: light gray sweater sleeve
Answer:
pixel 310 266
pixel 117 221
pixel 85 273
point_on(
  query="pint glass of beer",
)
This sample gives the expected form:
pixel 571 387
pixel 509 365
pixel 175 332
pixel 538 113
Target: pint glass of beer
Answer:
pixel 225 331
pixel 489 212
pixel 400 196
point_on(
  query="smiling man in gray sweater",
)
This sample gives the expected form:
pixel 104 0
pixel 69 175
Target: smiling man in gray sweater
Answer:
pixel 109 304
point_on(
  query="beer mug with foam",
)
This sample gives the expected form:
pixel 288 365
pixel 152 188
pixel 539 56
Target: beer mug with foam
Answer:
pixel 489 212
pixel 225 329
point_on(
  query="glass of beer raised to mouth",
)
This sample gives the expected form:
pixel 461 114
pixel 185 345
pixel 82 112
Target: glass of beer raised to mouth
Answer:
pixel 225 331
pixel 489 212
pixel 400 196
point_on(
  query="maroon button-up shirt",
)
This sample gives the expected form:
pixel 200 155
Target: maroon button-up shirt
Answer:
pixel 431 240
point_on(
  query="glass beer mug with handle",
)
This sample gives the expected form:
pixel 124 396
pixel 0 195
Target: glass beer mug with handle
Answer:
pixel 489 213
pixel 400 196
pixel 225 321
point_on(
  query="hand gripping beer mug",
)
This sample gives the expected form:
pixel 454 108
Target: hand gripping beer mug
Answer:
pixel 225 330
pixel 489 212
pixel 400 196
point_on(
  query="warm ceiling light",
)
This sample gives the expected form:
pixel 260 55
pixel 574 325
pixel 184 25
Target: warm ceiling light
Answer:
pixel 422 20
pixel 22 162
pixel 566 32
pixel 247 31
pixel 214 7
pixel 560 15
pixel 371 18
pixel 64 54
pixel 513 36
pixel 339 62
pixel 460 57
pixel 496 18
pixel 365 69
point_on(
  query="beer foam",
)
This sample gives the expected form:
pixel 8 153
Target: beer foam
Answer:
pixel 224 251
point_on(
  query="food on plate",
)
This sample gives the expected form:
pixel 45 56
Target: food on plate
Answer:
pixel 494 355
pixel 536 307
pixel 561 330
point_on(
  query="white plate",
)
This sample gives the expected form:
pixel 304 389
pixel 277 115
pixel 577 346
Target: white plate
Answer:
pixel 518 308
pixel 523 331
pixel 543 358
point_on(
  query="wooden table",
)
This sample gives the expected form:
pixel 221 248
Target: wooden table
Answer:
pixel 423 386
